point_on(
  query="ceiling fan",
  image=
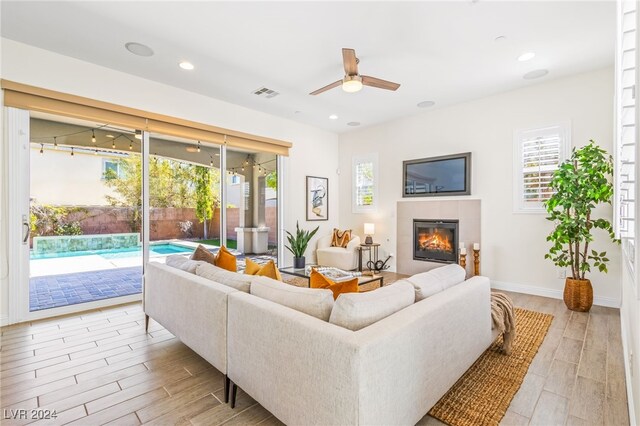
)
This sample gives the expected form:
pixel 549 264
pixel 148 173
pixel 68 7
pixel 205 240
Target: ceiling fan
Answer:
pixel 352 81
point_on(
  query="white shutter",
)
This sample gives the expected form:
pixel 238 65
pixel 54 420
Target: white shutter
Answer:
pixel 626 151
pixel 537 155
pixel 365 177
pixel 364 184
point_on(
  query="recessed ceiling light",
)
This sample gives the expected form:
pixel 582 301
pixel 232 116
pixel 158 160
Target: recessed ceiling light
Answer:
pixel 535 74
pixel 333 117
pixel 191 149
pixel 353 123
pixel 186 65
pixel 500 38
pixel 426 104
pixel 526 56
pixel 110 136
pixel 297 112
pixel 139 49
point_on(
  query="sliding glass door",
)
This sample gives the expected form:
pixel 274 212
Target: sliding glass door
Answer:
pixel 85 213
pixel 251 185
pixel 184 196
pixel 90 203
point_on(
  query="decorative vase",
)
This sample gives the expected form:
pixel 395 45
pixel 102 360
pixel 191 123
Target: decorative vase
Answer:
pixel 298 262
pixel 578 294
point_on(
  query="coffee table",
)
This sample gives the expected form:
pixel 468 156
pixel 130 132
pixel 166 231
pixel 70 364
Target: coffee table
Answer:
pixel 302 273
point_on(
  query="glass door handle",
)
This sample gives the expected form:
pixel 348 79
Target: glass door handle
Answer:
pixel 26 229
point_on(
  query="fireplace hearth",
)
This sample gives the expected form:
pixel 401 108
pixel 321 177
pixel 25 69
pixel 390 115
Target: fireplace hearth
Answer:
pixel 435 240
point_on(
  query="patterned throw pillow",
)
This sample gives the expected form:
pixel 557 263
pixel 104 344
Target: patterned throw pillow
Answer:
pixel 340 238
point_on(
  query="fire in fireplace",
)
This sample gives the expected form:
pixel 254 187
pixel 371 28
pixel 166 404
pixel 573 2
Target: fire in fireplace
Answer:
pixel 435 240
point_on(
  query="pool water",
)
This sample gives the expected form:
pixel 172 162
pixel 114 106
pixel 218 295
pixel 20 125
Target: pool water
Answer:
pixel 163 249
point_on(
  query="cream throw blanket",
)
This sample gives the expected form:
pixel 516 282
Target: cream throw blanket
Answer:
pixel 503 319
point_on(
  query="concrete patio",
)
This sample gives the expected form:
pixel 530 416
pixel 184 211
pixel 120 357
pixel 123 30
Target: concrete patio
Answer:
pixel 67 281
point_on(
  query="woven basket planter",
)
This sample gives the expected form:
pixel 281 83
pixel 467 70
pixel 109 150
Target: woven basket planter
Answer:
pixel 578 295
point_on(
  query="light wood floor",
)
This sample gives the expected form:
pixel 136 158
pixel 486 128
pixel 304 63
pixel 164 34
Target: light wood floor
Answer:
pixel 102 368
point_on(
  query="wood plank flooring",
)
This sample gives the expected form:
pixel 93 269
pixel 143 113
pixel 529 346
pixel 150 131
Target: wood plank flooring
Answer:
pixel 100 367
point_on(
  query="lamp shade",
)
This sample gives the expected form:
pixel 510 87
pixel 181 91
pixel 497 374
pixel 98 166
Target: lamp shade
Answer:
pixel 369 229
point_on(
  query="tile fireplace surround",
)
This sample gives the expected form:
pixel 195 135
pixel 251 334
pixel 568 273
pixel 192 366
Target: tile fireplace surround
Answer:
pixel 466 211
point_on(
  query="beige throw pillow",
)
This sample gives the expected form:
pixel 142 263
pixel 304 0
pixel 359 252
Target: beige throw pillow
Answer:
pixel 358 310
pixel 232 279
pixel 311 301
pixel 436 280
pixel 180 262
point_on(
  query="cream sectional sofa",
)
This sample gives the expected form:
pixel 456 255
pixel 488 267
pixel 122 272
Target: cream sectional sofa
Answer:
pixel 192 308
pixel 284 351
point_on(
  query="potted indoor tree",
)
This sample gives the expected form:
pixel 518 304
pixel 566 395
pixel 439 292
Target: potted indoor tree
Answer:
pixel 580 184
pixel 298 245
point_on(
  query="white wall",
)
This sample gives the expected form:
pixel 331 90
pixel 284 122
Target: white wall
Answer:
pixel 58 178
pixel 513 245
pixel 314 152
pixel 630 320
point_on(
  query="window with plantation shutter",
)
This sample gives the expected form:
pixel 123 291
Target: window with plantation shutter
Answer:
pixel 537 154
pixel 365 188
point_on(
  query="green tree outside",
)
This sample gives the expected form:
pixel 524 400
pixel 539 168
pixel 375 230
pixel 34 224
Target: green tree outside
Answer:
pixel 173 184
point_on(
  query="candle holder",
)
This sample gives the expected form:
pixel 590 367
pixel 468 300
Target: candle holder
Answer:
pixel 476 262
pixel 463 261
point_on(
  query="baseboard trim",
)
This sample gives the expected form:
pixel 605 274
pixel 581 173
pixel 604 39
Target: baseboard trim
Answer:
pixel 609 302
pixel 627 371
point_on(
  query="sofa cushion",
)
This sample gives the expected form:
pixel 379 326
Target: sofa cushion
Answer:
pixel 340 238
pixel 223 259
pixel 232 279
pixel 358 310
pixel 269 269
pixel 314 302
pixel 436 280
pixel 317 280
pixel 180 262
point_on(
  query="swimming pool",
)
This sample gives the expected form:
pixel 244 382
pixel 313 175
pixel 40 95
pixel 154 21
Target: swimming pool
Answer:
pixel 160 249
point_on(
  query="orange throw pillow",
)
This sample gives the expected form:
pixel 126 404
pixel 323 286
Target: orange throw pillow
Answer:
pixel 269 269
pixel 226 260
pixel 317 280
pixel 340 238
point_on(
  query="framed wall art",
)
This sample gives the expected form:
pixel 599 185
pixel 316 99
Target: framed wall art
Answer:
pixel 317 198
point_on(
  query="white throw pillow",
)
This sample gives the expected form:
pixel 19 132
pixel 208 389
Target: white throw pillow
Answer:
pixel 436 280
pixel 232 279
pixel 358 310
pixel 316 302
pixel 183 263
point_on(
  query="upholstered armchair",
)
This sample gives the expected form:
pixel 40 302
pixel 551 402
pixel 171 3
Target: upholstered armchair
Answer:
pixel 338 257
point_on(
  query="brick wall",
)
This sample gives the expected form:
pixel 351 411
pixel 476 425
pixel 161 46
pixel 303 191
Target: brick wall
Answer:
pixel 164 223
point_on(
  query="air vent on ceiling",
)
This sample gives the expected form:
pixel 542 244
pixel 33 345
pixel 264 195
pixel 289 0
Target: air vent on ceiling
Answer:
pixel 265 92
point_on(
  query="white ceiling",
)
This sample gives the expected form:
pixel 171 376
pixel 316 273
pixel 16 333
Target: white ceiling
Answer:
pixel 440 51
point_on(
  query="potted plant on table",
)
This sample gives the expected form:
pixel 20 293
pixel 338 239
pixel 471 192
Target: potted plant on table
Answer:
pixel 580 184
pixel 298 245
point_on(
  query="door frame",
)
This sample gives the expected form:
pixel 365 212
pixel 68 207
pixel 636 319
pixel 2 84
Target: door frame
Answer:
pixel 18 149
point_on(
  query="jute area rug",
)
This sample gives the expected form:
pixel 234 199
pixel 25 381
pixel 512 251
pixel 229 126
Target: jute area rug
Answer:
pixel 484 392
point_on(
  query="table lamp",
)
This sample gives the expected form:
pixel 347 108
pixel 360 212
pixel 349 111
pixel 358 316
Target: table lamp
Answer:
pixel 369 230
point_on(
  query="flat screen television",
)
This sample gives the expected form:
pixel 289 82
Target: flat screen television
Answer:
pixel 437 176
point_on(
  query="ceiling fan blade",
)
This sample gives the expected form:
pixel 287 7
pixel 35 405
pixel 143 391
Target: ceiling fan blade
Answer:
pixel 327 87
pixel 350 61
pixel 379 83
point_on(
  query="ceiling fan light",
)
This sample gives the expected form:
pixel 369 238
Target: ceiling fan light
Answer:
pixel 352 84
